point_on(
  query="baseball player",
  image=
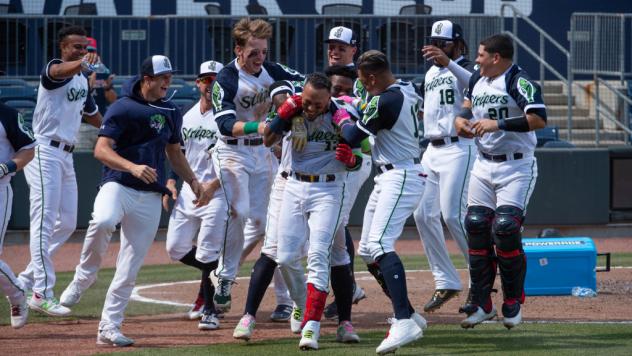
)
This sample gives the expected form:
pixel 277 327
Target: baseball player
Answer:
pixel 501 109
pixel 245 167
pixel 62 100
pixel 16 150
pixel 199 134
pixel 139 130
pixel 390 117
pixel 448 159
pixel 341 48
pixel 313 199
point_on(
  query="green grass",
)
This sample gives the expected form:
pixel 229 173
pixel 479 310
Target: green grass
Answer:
pixel 92 301
pixel 489 339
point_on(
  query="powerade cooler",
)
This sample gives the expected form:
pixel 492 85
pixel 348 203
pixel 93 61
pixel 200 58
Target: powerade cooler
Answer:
pixel 556 265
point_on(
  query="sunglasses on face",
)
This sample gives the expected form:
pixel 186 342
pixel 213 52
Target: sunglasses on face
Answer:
pixel 440 43
pixel 207 80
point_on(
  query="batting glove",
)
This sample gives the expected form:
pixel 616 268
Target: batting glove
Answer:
pixel 341 117
pixel 299 133
pixel 291 107
pixel 345 155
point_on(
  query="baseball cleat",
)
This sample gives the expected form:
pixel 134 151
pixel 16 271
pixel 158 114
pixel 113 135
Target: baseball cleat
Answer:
pixel 512 315
pixel 346 333
pixel 70 296
pixel 331 311
pixel 245 327
pixel 113 337
pixel 309 336
pixel 281 313
pixel 358 294
pixel 296 320
pixel 19 314
pixel 222 296
pixel 48 306
pixel 402 332
pixel 439 298
pixel 196 309
pixel 419 320
pixel 209 321
pixel 478 317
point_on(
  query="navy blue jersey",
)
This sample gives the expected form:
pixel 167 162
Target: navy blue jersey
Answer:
pixel 141 131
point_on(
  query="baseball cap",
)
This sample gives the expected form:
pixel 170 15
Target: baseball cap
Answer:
pixel 446 30
pixel 156 65
pixel 343 35
pixel 92 44
pixel 210 67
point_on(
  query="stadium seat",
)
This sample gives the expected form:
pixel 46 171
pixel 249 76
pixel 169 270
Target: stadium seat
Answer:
pixel 549 133
pixel 18 92
pixel 13 82
pixel 558 144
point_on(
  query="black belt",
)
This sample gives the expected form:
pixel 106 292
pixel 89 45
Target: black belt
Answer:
pixel 312 179
pixel 389 166
pixel 441 141
pixel 247 141
pixel 67 148
pixel 284 174
pixel 501 158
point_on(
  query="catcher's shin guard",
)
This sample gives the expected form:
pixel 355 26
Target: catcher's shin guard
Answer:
pixel 478 224
pixel 512 263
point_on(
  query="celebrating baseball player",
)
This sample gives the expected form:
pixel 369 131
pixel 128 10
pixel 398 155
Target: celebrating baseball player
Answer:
pixel 245 167
pixel 313 199
pixel 16 150
pixel 448 159
pixel 391 119
pixel 502 108
pixel 199 134
pixel 62 100
pixel 139 130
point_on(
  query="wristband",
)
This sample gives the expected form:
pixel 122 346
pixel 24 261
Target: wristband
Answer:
pixel 251 127
pixel 7 168
pixel 466 113
pixel 515 124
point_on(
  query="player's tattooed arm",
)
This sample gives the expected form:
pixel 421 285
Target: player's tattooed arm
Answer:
pixel 462 122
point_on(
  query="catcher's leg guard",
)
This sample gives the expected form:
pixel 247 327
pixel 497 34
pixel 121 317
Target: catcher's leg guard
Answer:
pixel 478 225
pixel 512 263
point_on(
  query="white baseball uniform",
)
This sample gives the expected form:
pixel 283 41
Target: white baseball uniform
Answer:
pixel 447 162
pixel 245 167
pixel 199 135
pixel 15 135
pixel 51 174
pixel 391 118
pixel 505 170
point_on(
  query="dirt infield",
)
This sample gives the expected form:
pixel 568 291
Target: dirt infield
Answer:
pixel 78 337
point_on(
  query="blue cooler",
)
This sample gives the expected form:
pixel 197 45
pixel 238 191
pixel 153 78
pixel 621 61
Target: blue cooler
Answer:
pixel 556 265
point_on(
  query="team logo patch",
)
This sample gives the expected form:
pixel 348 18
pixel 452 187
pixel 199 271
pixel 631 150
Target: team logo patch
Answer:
pixel 288 69
pixel 438 29
pixel 25 126
pixel 526 89
pixel 359 90
pixel 338 32
pixel 166 63
pixel 218 96
pixel 371 110
pixel 157 122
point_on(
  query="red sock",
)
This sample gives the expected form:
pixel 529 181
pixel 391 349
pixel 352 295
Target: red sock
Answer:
pixel 315 305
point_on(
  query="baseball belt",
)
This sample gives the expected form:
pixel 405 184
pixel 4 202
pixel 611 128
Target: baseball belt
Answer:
pixel 444 141
pixel 502 158
pixel 387 167
pixel 63 146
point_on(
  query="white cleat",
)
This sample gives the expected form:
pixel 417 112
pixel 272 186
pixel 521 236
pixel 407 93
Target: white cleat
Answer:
pixel 70 296
pixel 310 335
pixel 48 306
pixel 296 320
pixel 113 337
pixel 419 320
pixel 209 321
pixel 513 321
pixel 346 333
pixel 402 332
pixel 19 313
pixel 245 327
pixel 478 317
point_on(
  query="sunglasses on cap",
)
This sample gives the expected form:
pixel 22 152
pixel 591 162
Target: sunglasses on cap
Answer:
pixel 207 79
pixel 440 43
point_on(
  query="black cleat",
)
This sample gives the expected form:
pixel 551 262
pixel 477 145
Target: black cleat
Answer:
pixel 439 297
pixel 331 311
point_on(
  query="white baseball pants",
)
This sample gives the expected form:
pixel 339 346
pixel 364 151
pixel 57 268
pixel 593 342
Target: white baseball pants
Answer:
pixel 10 285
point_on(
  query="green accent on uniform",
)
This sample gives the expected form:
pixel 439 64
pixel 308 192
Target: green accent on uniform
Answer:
pixel 401 191
pixel 524 204
pixel 365 146
pixel 219 164
pixel 371 111
pixel 251 127
pixel 39 166
pixel 526 89
pixel 469 158
pixel 2 231
pixel 218 95
pixel 333 237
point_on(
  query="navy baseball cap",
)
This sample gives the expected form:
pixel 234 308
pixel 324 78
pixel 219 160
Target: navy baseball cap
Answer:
pixel 156 65
pixel 446 30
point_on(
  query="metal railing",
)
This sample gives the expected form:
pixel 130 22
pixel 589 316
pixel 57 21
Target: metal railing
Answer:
pixel 567 80
pixel 602 109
